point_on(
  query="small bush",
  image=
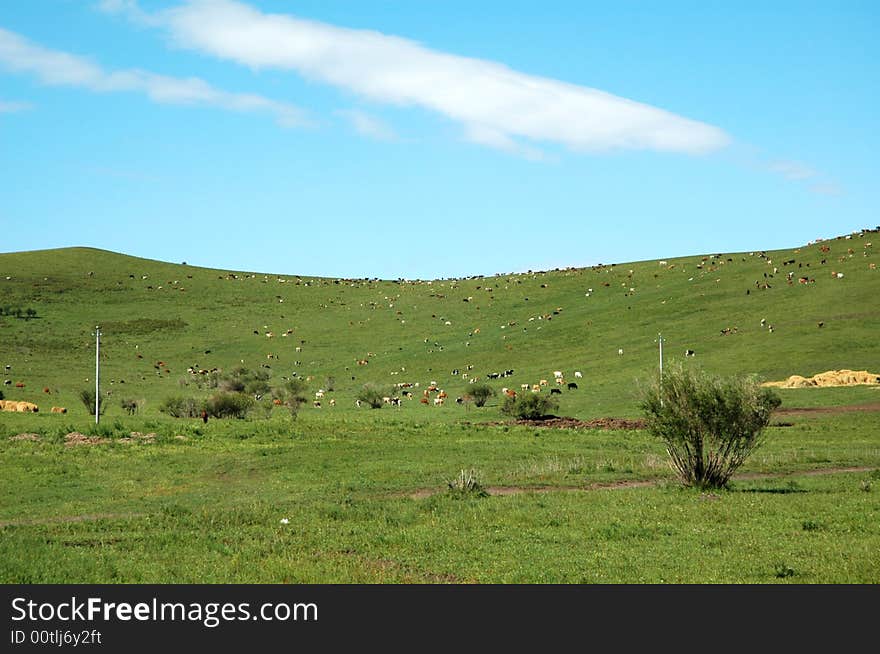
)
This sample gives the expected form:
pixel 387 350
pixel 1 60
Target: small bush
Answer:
pixel 130 405
pixel 480 392
pixel 182 407
pixel 373 395
pixel 467 484
pixel 291 394
pixel 229 405
pixel 530 406
pixel 87 397
pixel 709 425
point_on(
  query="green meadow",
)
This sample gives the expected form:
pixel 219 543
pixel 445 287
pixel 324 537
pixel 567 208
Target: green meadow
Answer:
pixel 348 494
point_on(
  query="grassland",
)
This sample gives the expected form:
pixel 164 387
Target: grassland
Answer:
pixel 362 490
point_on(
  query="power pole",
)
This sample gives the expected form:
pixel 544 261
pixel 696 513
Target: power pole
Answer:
pixel 97 374
pixel 660 341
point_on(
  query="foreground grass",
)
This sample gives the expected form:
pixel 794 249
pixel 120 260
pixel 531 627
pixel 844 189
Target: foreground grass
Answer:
pixel 208 507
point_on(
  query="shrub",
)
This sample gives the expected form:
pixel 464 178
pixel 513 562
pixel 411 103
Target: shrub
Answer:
pixel 130 405
pixel 467 484
pixel 87 397
pixel 709 425
pixel 244 380
pixel 480 392
pixel 182 407
pixel 530 406
pixel 291 394
pixel 229 405
pixel 373 395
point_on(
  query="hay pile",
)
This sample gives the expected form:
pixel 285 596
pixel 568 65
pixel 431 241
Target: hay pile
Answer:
pixel 830 378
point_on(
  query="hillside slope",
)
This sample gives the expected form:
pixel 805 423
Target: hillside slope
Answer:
pixel 421 331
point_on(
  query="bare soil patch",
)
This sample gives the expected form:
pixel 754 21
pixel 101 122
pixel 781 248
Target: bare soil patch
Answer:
pixel 25 437
pixel 555 422
pixel 827 410
pixel 75 438
pixel 635 483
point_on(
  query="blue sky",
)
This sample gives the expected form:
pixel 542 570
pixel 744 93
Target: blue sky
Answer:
pixel 421 139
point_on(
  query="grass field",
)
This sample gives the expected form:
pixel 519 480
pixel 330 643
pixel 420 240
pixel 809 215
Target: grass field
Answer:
pixel 363 490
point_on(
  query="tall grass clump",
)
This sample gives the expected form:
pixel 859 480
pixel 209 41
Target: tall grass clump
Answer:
pixel 467 484
pixel 710 425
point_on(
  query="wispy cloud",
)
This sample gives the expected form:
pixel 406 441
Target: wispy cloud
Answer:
pixel 54 67
pixel 792 170
pixel 495 105
pixel 812 179
pixel 367 125
pixel 826 188
pixel 7 107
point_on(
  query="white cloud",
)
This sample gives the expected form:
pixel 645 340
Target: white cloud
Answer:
pixel 7 107
pixel 367 125
pixel 53 67
pixel 495 105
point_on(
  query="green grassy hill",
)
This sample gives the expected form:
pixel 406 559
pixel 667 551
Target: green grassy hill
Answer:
pixel 421 331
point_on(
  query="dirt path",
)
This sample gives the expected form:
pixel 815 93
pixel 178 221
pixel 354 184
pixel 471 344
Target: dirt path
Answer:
pixel 827 410
pixel 642 483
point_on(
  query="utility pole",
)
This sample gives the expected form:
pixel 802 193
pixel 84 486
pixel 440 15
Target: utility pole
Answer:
pixel 660 341
pixel 97 374
pixel 660 344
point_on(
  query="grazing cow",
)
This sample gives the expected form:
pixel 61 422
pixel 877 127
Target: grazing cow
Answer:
pixel 572 386
pixel 620 351
pixel 423 400
pixel 317 404
pixel 577 374
pixel 509 392
pixel 46 389
pixel 58 409
pixel 536 388
pixel 542 382
pixel 20 385
pixel 557 374
pixel 438 401
pixel 555 391
pixel 357 403
pixel 332 402
pixel 689 353
pixel 204 416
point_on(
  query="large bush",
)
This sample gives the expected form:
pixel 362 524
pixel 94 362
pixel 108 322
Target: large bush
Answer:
pixel 182 407
pixel 244 380
pixel 530 406
pixel 480 392
pixel 229 405
pixel 710 425
pixel 374 395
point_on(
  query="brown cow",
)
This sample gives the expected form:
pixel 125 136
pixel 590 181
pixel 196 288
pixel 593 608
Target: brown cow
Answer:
pixel 58 409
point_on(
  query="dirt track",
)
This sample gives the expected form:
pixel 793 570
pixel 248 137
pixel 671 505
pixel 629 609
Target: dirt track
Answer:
pixel 642 483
